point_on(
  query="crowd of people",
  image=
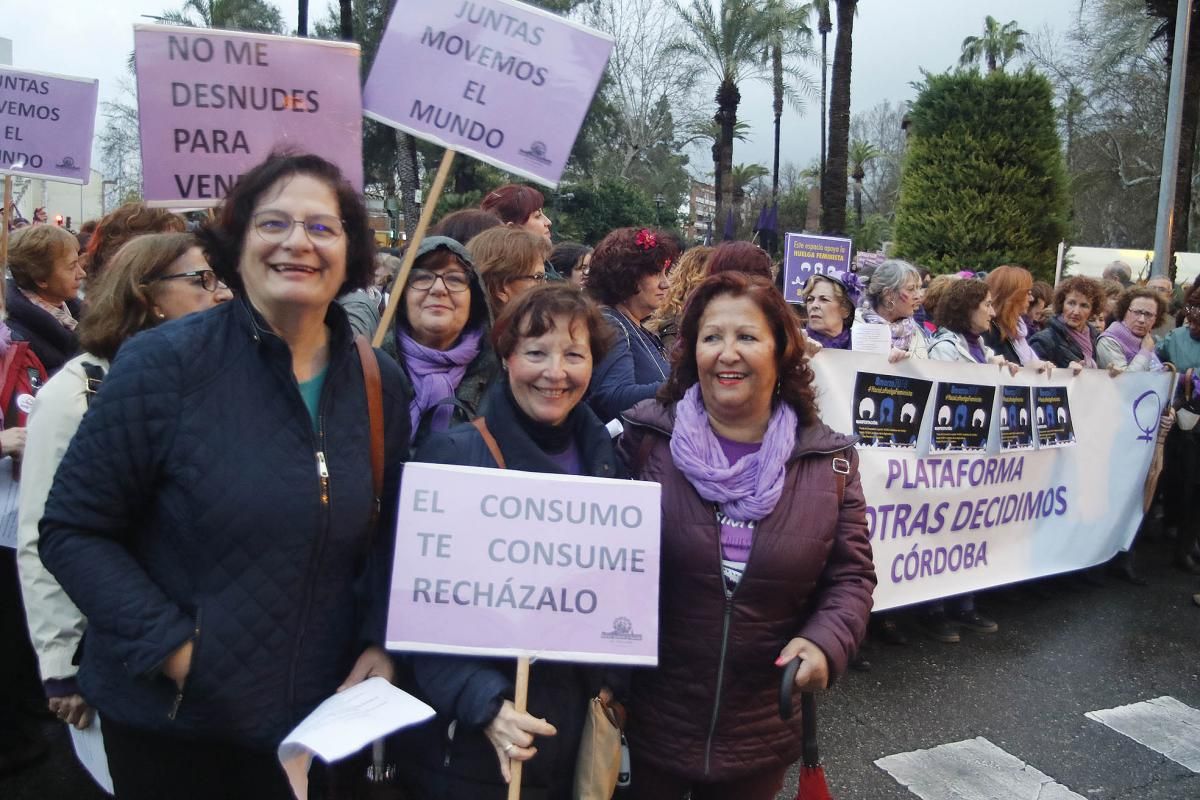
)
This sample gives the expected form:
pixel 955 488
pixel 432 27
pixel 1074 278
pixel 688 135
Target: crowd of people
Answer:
pixel 209 476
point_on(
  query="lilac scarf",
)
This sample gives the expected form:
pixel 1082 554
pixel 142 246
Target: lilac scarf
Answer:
pixel 903 330
pixel 436 375
pixel 748 490
pixel 975 347
pixel 1131 344
pixel 839 342
pixel 1083 339
pixel 1021 344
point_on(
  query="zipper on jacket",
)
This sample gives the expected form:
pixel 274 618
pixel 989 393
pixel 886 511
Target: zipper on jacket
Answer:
pixel 323 474
pixel 179 693
pixel 318 549
pixel 716 712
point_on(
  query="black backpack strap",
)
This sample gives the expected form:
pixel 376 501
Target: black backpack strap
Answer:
pixel 95 376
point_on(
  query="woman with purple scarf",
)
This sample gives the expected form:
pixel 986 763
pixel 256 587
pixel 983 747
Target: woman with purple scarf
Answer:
pixel 1069 340
pixel 440 338
pixel 830 303
pixel 894 294
pixel 1127 345
pixel 765 550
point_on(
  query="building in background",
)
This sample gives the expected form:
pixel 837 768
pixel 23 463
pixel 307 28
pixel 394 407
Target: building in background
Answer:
pixel 74 202
pixel 702 207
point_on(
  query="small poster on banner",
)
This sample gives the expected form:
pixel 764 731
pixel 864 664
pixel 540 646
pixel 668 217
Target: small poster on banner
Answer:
pixel 46 125
pixel 964 416
pixel 1053 415
pixel 805 255
pixel 1016 421
pixel 888 409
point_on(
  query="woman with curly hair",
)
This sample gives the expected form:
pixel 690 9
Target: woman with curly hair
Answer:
pixel 1127 344
pixel 688 273
pixel 964 313
pixel 1069 339
pixel 750 472
pixel 629 280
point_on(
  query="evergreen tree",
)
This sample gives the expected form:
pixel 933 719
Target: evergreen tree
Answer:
pixel 984 182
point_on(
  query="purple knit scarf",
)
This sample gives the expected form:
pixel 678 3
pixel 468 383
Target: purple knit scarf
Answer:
pixel 1083 338
pixel 1131 344
pixel 748 490
pixel 436 375
pixel 839 342
pixel 1021 344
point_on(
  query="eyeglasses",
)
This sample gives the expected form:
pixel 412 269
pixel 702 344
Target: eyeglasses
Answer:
pixel 423 281
pixel 537 277
pixel 1142 314
pixel 204 278
pixel 276 227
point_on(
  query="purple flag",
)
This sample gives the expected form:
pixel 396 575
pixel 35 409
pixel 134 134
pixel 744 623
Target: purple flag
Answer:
pixel 212 104
pixel 506 82
pixel 46 125
pixel 730 228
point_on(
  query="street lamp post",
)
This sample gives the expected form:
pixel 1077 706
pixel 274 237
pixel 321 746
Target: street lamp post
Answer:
pixel 658 204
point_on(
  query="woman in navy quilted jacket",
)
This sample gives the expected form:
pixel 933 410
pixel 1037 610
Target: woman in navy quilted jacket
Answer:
pixel 213 517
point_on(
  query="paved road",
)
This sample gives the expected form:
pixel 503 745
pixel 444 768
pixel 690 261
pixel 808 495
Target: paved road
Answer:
pixel 1063 651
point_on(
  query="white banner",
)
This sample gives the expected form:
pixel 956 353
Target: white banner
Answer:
pixel 1055 484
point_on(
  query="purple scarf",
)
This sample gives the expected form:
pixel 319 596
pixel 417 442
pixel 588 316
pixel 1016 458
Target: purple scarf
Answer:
pixel 903 330
pixel 1021 344
pixel 436 375
pixel 1131 344
pixel 1083 338
pixel 747 491
pixel 839 342
pixel 975 347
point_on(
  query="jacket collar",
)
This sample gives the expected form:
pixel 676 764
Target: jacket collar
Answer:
pixel 814 439
pixel 596 454
pixel 255 326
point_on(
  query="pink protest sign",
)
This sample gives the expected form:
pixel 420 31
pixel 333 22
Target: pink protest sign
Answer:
pixel 508 83
pixel 212 104
pixel 46 125
pixel 509 563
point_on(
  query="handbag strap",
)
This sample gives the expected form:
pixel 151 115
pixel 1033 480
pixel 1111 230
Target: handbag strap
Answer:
pixel 374 389
pixel 841 468
pixel 481 425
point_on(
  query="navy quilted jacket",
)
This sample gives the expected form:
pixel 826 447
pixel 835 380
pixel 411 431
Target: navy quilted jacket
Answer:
pixel 190 505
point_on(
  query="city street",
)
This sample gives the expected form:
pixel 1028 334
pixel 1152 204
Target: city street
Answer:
pixel 1064 649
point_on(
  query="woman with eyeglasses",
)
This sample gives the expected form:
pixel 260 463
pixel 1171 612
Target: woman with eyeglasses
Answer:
pixel 42 296
pixel 1127 345
pixel 511 261
pixel 152 279
pixel 214 517
pixel 441 338
pixel 629 280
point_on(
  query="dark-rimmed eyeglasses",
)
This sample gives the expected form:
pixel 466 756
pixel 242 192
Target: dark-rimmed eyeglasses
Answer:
pixel 455 281
pixel 537 277
pixel 204 278
pixel 276 227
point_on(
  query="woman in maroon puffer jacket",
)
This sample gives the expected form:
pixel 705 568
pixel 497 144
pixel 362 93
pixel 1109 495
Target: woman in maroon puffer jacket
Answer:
pixel 766 554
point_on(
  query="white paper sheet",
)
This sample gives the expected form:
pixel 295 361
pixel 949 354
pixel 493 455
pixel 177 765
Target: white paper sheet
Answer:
pixel 346 723
pixel 871 337
pixel 89 749
pixel 9 491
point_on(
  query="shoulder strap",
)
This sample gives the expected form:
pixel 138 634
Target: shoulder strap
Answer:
pixel 481 425
pixel 374 388
pixel 841 468
pixel 95 376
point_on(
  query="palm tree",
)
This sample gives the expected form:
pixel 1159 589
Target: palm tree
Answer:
pixel 728 44
pixel 860 153
pixel 239 15
pixel 824 26
pixel 789 34
pixel 744 175
pixel 833 181
pixel 998 45
pixel 346 15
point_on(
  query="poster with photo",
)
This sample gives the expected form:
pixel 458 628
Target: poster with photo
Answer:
pixel 888 409
pixel 963 417
pixel 1016 421
pixel 1052 413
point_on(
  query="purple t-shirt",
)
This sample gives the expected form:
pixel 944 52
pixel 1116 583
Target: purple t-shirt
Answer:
pixel 568 460
pixel 736 537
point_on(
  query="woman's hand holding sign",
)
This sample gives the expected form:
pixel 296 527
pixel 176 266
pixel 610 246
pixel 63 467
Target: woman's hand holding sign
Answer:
pixel 512 732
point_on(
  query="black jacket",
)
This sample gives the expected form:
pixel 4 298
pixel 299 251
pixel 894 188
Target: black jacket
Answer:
pixel 1000 344
pixel 1054 343
pixel 191 505
pixel 53 344
pixel 450 756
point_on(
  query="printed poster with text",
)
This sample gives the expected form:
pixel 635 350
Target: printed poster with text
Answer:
pixel 1053 415
pixel 46 125
pixel 1016 421
pixel 964 416
pixel 805 255
pixel 888 409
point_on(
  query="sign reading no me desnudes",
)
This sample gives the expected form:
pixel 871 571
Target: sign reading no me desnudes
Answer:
pixel 212 104
pixel 510 563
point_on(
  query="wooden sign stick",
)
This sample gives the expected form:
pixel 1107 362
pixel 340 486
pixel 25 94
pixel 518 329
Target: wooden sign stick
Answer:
pixel 520 702
pixel 410 255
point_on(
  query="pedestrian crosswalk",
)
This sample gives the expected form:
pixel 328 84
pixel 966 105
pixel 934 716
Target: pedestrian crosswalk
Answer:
pixel 977 769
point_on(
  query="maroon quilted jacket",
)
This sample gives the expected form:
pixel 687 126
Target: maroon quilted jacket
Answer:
pixel 710 710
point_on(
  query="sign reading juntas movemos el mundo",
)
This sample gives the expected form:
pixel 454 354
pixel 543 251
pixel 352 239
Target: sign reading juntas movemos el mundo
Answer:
pixel 501 80
pixel 509 563
pixel 212 104
pixel 46 125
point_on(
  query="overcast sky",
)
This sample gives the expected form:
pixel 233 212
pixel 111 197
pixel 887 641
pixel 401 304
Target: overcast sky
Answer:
pixel 893 41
